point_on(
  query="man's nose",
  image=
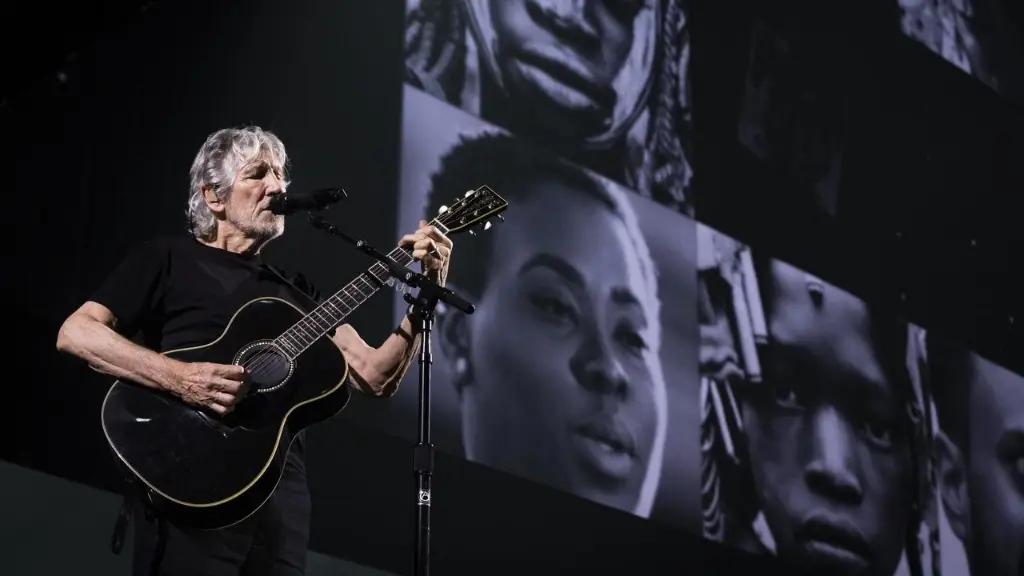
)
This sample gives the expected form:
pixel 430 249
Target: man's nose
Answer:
pixel 832 466
pixel 275 183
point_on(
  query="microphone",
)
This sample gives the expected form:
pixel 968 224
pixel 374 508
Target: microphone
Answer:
pixel 313 201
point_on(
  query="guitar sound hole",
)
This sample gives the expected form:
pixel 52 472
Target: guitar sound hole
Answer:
pixel 268 366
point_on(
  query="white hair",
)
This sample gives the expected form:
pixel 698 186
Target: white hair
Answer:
pixel 216 166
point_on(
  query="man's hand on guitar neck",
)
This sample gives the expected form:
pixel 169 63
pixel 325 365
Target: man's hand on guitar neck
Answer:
pixel 432 248
pixel 218 387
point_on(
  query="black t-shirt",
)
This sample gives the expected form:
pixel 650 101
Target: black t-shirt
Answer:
pixel 177 292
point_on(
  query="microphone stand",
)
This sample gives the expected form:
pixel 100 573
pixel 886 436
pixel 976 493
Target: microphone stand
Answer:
pixel 423 305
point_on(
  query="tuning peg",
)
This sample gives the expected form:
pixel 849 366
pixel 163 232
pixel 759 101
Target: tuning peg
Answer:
pixel 442 209
pixel 469 193
pixel 487 225
pixel 472 232
pixel 500 217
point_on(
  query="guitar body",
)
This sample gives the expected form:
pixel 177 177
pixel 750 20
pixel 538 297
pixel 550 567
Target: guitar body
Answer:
pixel 204 471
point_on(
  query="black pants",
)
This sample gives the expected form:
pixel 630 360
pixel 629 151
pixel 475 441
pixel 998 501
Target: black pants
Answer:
pixel 271 542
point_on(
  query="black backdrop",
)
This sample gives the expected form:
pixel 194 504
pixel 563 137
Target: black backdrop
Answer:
pixel 100 161
pixel 927 223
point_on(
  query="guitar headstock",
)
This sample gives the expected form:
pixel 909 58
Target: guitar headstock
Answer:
pixel 474 209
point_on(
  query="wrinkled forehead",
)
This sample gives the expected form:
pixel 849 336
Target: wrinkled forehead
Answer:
pixel 256 155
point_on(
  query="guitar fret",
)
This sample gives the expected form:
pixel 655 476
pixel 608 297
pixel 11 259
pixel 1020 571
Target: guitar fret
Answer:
pixel 361 290
pixel 354 297
pixel 302 334
pixel 322 314
pixel 332 311
pixel 308 330
pixel 286 344
pixel 317 321
pixel 335 309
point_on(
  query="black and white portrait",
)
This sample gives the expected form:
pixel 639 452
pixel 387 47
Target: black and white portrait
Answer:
pixel 795 108
pixel 602 82
pixel 984 38
pixel 980 460
pixel 578 368
pixel 814 435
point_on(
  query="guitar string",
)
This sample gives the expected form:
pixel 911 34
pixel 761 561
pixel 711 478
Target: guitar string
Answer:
pixel 264 359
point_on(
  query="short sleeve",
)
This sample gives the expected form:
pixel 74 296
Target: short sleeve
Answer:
pixel 133 291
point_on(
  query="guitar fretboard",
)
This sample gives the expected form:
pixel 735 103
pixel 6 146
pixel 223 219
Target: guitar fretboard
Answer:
pixel 333 310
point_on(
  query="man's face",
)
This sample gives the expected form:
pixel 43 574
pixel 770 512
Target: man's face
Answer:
pixel 828 449
pixel 246 209
pixel 559 58
pixel 995 478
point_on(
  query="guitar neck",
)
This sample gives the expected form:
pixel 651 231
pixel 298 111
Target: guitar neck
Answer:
pixel 333 311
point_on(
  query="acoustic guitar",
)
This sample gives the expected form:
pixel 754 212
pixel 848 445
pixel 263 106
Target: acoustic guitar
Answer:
pixel 205 471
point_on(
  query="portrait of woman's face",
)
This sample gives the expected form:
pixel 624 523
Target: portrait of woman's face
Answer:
pixel 559 58
pixel 828 444
pixel 560 387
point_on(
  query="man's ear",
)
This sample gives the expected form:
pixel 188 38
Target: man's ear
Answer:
pixel 215 204
pixel 953 485
pixel 454 336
